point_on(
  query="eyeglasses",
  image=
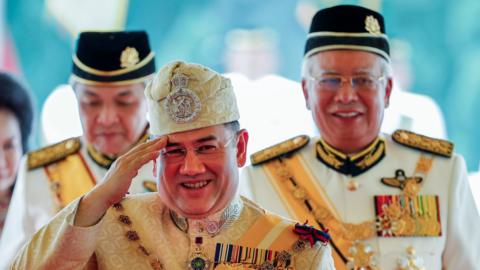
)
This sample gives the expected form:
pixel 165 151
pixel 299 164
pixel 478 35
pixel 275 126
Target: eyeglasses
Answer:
pixel 333 83
pixel 203 151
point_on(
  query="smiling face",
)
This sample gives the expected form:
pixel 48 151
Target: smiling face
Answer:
pixel 348 118
pixel 113 117
pixel 10 149
pixel 198 170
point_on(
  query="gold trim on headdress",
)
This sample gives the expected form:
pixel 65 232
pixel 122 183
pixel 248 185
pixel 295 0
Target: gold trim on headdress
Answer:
pixel 117 72
pixel 347 47
pixel 345 34
pixel 75 78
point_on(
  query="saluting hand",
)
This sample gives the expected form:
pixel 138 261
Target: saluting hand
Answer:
pixel 116 182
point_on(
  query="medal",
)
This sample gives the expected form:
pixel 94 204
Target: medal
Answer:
pixel 198 260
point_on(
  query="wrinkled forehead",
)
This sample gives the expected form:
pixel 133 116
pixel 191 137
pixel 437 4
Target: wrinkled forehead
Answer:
pixel 216 133
pixel 106 90
pixel 344 61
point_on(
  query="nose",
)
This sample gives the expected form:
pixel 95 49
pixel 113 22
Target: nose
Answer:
pixel 192 165
pixel 346 93
pixel 107 116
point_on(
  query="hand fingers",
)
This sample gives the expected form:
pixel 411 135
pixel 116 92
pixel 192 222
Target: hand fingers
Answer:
pixel 144 159
pixel 146 145
pixel 151 148
pixel 159 144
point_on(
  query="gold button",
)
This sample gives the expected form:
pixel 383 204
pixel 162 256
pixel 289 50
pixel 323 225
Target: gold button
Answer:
pixel 353 185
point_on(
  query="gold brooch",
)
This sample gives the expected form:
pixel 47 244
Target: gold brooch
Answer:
pixel 129 57
pixel 372 25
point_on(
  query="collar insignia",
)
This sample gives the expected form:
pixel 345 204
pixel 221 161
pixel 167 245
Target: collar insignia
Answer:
pixel 353 164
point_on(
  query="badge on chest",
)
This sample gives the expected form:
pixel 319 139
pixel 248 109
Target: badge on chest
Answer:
pixel 407 214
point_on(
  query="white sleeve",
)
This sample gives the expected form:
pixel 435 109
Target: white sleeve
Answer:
pixel 245 185
pixel 323 260
pixel 462 250
pixel 18 225
pixel 60 244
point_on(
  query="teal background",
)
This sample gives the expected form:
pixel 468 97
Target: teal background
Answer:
pixel 445 38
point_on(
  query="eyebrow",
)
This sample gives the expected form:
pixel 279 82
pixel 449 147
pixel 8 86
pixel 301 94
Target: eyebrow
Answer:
pixel 89 93
pixel 125 93
pixel 200 140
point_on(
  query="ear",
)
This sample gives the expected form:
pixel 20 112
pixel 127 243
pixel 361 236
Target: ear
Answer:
pixel 242 142
pixel 305 92
pixel 388 91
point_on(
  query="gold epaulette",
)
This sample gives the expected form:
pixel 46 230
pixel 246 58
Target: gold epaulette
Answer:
pixel 53 153
pixel 277 150
pixel 150 186
pixel 420 142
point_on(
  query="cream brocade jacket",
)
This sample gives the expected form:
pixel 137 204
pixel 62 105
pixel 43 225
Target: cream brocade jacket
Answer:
pixel 109 245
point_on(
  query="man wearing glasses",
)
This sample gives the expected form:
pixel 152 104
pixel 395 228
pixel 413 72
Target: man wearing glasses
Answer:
pixel 399 201
pixel 197 220
pixel 110 71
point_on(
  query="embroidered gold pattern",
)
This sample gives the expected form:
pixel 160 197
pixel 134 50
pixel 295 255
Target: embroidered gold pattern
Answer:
pixel 53 153
pixel 353 164
pixel 361 257
pixel 435 146
pixel 396 220
pixel 349 231
pixel 133 237
pixel 150 186
pixel 277 150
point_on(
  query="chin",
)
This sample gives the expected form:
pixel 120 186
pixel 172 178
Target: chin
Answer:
pixel 195 212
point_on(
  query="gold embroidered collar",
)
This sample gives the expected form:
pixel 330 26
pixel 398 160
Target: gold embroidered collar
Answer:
pixel 211 225
pixel 351 164
pixel 106 161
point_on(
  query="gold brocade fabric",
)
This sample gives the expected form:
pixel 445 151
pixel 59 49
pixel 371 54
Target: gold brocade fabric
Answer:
pixel 123 244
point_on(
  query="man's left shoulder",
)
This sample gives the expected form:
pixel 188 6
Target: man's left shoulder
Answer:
pixel 280 149
pixel 423 143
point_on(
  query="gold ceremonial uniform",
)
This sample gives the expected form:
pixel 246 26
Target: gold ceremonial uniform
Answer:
pixel 48 180
pixel 402 203
pixel 141 233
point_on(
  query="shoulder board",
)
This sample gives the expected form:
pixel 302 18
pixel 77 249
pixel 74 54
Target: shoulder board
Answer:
pixel 286 147
pixel 150 186
pixel 420 142
pixel 53 153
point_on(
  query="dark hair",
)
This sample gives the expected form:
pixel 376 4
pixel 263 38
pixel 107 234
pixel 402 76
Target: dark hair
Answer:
pixel 15 97
pixel 233 126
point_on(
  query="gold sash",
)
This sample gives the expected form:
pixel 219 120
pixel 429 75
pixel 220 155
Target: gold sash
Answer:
pixel 299 196
pixel 69 178
pixel 269 232
pixel 267 240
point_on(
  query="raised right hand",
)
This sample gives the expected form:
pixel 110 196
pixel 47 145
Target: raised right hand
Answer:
pixel 116 182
